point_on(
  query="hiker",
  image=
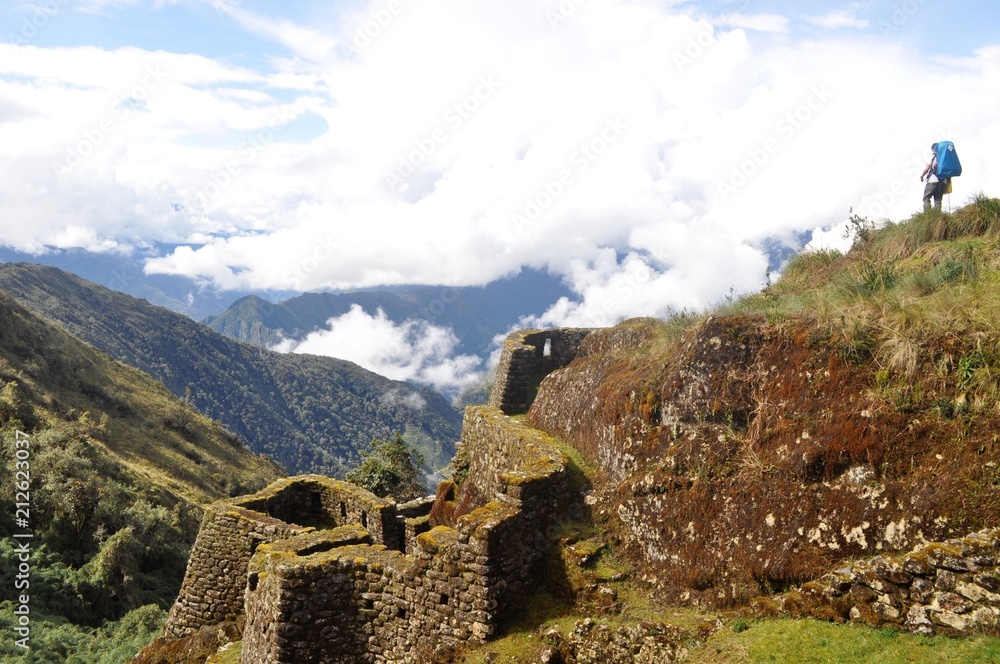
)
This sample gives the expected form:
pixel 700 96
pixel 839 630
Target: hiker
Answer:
pixel 935 185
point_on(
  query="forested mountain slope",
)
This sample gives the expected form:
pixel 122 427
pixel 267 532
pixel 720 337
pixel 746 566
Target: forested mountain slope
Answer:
pixel 117 471
pixel 309 413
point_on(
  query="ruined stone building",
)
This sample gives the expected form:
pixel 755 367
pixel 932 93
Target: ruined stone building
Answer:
pixel 318 570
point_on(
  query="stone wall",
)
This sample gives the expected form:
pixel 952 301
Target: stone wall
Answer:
pixel 368 603
pixel 506 457
pixel 212 591
pixel 321 571
pixel 232 530
pixel 309 602
pixel 414 518
pixel 526 358
pixel 314 500
pixel 945 587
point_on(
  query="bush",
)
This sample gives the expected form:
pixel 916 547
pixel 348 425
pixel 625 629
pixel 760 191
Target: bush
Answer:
pixel 390 469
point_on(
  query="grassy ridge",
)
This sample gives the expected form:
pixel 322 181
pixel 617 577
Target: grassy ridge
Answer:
pixel 917 300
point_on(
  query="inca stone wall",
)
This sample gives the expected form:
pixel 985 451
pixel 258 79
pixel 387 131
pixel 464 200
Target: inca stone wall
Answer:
pixel 507 457
pixel 233 529
pixel 310 602
pixel 318 501
pixel 322 571
pixel 526 358
pixel 366 604
pixel 212 591
pixel 945 587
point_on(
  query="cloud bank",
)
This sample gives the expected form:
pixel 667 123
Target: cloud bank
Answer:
pixel 414 350
pixel 643 151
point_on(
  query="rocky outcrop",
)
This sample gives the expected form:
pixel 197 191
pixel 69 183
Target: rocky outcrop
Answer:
pixel 950 587
pixel 741 455
pixel 592 642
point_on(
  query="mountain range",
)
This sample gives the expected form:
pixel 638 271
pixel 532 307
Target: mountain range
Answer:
pixel 309 413
pixel 126 274
pixel 476 314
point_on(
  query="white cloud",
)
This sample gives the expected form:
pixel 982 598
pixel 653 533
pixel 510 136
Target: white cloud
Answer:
pixel 101 6
pixel 627 140
pixel 840 18
pixel 759 22
pixel 837 238
pixel 412 400
pixel 414 351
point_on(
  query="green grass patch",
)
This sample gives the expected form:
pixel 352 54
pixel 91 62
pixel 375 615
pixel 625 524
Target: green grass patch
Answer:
pixel 801 641
pixel 232 654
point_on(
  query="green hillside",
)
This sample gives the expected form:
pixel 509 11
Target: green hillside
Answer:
pixel 119 470
pixel 309 413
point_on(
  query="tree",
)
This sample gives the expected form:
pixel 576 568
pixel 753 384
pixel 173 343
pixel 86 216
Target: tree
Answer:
pixel 390 469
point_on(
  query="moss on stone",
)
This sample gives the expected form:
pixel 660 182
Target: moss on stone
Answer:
pixel 437 538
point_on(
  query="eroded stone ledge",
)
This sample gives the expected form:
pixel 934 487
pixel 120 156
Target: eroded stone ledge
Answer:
pixel 950 587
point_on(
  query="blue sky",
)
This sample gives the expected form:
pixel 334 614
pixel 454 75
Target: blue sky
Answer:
pixel 207 28
pixel 931 26
pixel 184 27
pixel 647 151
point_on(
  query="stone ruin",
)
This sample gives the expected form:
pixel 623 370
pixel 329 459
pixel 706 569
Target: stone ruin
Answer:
pixel 527 357
pixel 322 571
pixel 318 570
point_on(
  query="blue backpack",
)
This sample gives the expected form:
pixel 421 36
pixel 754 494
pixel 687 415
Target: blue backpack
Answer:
pixel 948 165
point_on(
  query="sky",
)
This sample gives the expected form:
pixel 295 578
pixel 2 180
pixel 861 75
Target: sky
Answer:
pixel 647 152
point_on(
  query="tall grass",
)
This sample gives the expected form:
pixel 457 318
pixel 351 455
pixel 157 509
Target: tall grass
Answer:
pixel 902 286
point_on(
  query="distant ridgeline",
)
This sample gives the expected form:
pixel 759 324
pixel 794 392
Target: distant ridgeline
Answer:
pixel 309 413
pixel 323 571
pixel 475 314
